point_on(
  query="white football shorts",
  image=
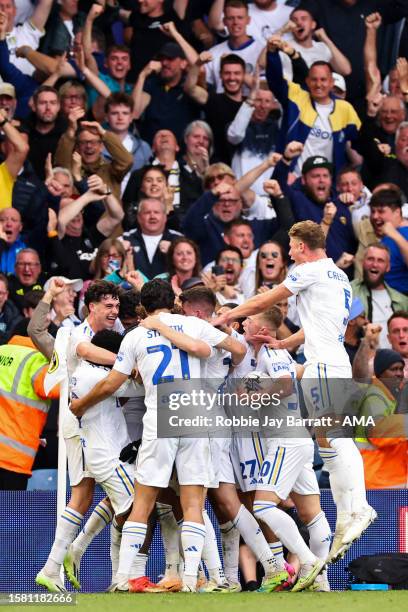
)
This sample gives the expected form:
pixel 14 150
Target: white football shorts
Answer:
pixel 191 456
pixel 288 468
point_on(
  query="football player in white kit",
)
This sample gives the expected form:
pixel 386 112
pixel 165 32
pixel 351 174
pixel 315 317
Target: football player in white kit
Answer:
pixel 324 298
pixel 102 300
pixel 234 518
pixel 158 360
pixel 288 465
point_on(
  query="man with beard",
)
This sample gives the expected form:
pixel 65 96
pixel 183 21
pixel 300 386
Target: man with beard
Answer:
pixel 45 127
pixel 159 94
pixel 378 298
pixel 311 198
pixel 220 108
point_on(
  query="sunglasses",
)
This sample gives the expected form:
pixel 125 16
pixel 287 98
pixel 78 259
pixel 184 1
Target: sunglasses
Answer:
pixel 274 254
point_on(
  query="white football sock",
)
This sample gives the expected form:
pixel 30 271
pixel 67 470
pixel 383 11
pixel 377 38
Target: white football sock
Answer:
pixel 230 550
pixel 138 568
pixel 100 517
pixel 67 528
pixel 192 540
pixel 320 536
pixel 253 537
pixel 133 536
pixel 171 539
pixel 276 549
pixel 211 556
pixel 346 470
pixel 285 528
pixel 115 540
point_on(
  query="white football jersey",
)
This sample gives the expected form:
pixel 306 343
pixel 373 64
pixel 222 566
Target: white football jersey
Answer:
pixel 81 333
pixel 158 361
pixel 102 428
pixel 324 297
pixel 279 364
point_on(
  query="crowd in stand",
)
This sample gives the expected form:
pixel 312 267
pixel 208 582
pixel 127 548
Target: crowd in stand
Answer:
pixel 182 139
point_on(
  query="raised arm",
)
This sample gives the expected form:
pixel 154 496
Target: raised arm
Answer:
pixel 372 73
pixel 96 11
pixel 339 61
pixel 19 151
pixel 114 214
pixel 41 13
pixel 140 97
pixel 255 305
pixel 170 29
pixel 198 93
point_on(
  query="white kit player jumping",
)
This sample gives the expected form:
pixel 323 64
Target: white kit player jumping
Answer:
pixel 324 298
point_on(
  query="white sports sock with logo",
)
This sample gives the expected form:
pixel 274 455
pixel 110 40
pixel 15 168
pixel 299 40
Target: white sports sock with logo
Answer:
pixel 285 528
pixel 192 540
pixel 320 536
pixel 101 516
pixel 211 556
pixel 230 550
pixel 171 539
pixel 252 534
pixel 67 528
pixel 133 537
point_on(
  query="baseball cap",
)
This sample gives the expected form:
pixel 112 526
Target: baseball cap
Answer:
pixel 339 82
pixel 357 308
pixel 384 359
pixel 171 50
pixel 317 161
pixel 7 89
pixel 75 283
pixel 194 281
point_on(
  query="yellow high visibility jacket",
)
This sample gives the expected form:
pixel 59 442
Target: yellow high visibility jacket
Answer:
pixel 24 404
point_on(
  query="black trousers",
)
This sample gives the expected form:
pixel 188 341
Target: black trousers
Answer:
pixel 12 481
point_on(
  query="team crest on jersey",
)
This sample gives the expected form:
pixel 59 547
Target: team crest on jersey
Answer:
pixel 54 363
pixel 343 220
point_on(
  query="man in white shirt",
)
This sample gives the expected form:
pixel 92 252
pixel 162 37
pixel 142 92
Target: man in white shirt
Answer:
pixel 151 240
pixel 324 298
pixel 27 33
pixel 236 20
pixel 302 39
pixel 102 302
pixel 267 17
pixel 158 361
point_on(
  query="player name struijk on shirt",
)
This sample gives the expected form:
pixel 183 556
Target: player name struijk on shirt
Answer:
pixel 159 361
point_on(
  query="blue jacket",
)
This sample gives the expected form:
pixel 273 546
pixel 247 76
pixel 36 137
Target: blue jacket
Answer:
pixel 201 225
pixel 24 85
pixel 299 113
pixel 340 238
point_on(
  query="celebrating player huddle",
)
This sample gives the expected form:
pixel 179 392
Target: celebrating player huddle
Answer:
pixel 245 475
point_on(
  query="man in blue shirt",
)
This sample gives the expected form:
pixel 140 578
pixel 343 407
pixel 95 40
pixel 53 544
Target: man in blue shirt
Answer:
pixel 389 226
pixel 309 196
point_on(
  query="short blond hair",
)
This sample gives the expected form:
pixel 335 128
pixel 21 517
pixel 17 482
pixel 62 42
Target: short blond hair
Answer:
pixel 310 233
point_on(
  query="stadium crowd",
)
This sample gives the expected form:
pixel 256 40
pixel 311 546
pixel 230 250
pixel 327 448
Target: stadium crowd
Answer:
pixel 180 141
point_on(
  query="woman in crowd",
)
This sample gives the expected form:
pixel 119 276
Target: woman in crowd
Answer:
pixel 271 266
pixel 184 263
